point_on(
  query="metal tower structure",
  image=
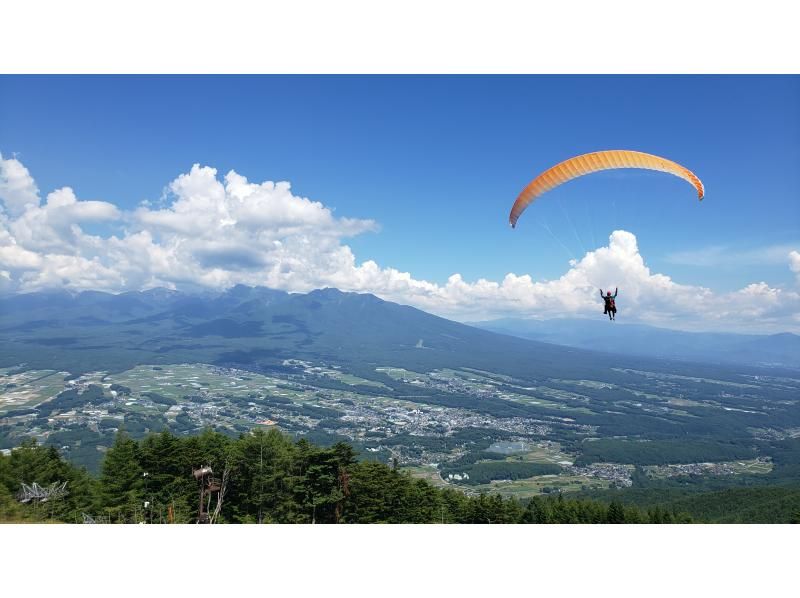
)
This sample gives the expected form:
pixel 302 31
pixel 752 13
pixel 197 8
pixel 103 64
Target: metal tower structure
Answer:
pixel 209 486
pixel 39 494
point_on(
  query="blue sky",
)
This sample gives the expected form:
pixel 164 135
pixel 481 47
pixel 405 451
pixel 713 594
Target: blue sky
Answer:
pixel 437 161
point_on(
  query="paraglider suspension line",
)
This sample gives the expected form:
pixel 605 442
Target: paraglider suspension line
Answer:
pixel 547 228
pixel 572 224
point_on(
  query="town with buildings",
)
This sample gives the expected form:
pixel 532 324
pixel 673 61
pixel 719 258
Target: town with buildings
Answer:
pixel 81 414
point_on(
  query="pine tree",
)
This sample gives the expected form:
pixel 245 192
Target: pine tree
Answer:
pixel 264 473
pixel 121 480
pixel 168 484
pixel 616 513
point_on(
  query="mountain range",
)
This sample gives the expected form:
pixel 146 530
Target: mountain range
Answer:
pixel 92 331
pixel 257 326
pixel 649 341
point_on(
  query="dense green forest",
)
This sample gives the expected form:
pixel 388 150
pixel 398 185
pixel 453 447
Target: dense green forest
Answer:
pixel 269 478
pixel 660 452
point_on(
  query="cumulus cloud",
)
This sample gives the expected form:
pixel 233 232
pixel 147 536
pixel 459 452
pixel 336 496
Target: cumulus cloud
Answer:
pixel 645 296
pixel 17 187
pixel 214 233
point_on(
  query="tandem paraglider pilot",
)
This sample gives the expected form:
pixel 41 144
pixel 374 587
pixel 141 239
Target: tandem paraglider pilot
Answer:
pixel 610 305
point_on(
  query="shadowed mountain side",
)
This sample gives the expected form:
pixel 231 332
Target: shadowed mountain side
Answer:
pixel 254 325
pixel 260 328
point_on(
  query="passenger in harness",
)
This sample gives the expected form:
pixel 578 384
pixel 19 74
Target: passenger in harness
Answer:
pixel 610 306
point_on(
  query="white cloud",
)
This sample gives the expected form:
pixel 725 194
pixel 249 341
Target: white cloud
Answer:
pixel 216 233
pixel 18 258
pixel 644 296
pixel 17 188
pixel 794 263
pixel 203 203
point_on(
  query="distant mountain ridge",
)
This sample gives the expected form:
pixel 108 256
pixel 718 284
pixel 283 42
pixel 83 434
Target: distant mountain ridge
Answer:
pixel 636 339
pixel 261 327
pixel 250 325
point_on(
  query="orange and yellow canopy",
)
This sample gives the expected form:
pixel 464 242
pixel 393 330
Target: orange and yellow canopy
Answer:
pixel 594 162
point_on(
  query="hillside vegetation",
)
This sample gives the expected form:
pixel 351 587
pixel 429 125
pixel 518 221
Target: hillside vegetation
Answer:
pixel 271 479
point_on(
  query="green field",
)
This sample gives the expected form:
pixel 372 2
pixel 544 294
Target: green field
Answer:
pixel 430 474
pixel 750 466
pixel 354 380
pixel 177 381
pixel 517 488
pixel 29 388
pixel 491 375
pixel 665 376
pixel 546 452
pixel 534 486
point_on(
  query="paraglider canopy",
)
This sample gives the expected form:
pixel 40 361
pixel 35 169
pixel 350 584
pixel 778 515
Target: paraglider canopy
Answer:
pixel 594 162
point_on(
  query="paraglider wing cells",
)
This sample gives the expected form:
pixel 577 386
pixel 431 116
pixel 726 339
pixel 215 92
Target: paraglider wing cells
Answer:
pixel 595 162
